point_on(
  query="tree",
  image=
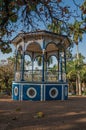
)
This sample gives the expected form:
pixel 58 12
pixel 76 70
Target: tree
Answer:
pixel 73 67
pixel 56 27
pixel 83 77
pixel 6 76
pixel 31 13
pixel 76 32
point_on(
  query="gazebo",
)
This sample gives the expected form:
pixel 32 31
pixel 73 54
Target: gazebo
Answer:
pixel 40 84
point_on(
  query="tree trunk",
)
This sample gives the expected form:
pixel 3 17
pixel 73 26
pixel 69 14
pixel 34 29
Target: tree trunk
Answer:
pixel 79 84
pixel 78 73
pixel 83 88
pixel 77 89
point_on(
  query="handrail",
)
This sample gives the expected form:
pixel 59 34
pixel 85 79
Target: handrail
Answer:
pixel 36 75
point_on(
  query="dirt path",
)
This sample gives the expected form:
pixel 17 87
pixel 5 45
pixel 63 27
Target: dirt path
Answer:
pixel 58 115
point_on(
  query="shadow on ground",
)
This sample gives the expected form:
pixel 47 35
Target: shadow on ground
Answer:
pixel 58 115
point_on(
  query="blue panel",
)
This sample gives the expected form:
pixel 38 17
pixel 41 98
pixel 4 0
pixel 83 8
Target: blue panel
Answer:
pixel 65 92
pixel 37 93
pixel 15 88
pixel 37 88
pixel 47 92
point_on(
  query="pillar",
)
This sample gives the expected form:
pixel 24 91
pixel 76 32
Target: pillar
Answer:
pixel 58 64
pixel 32 64
pixel 22 66
pixel 60 68
pixel 65 63
pixel 46 67
pixel 15 65
pixel 43 62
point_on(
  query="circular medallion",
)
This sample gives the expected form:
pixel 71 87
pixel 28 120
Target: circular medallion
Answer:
pixel 31 92
pixel 53 92
pixel 16 91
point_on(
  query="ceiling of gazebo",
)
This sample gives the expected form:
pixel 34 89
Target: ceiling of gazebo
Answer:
pixel 34 47
pixel 60 42
pixel 51 48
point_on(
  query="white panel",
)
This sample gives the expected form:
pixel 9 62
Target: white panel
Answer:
pixel 41 92
pixel 44 92
pixel 62 92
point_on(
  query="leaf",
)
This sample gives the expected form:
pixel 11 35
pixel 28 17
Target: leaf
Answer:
pixel 59 1
pixel 20 2
pixel 14 18
pixel 83 7
pixel 65 10
pixel 12 3
pixel 75 38
pixel 41 8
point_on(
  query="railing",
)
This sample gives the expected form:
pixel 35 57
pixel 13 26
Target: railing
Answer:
pixel 36 76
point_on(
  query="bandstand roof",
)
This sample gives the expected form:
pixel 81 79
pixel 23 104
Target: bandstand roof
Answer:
pixel 61 41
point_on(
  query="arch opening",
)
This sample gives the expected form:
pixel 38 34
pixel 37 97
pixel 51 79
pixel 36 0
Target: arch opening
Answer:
pixel 52 69
pixel 34 47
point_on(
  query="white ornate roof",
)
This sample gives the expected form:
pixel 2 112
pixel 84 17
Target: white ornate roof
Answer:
pixel 37 41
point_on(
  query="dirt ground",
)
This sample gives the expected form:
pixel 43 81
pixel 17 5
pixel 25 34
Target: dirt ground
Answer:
pixel 58 115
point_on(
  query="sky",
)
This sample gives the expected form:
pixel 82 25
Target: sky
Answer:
pixel 82 44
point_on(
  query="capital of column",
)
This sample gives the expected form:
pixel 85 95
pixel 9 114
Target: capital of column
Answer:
pixel 43 51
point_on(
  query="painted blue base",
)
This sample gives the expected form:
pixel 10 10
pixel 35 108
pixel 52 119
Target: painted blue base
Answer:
pixel 39 92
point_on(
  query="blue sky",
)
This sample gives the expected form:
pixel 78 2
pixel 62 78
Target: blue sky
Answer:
pixel 82 44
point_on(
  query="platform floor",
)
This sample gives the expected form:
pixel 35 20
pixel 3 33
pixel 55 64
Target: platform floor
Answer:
pixel 58 115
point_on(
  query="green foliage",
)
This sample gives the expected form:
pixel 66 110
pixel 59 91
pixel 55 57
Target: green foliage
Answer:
pixel 83 7
pixel 71 71
pixel 13 18
pixel 74 66
pixel 76 31
pixel 30 12
pixel 5 48
pixel 39 60
pixel 6 76
pixel 55 27
pixel 50 60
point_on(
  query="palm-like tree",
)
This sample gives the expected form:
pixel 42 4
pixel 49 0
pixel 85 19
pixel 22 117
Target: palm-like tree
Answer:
pixel 73 67
pixel 57 27
pixel 39 60
pixel 77 32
